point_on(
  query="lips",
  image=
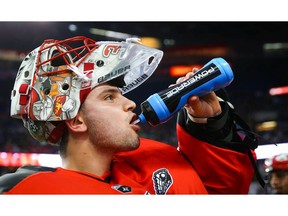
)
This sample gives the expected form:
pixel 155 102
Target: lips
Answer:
pixel 133 123
pixel 134 119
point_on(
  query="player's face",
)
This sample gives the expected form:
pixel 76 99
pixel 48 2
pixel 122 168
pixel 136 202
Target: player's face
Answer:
pixel 279 182
pixel 108 116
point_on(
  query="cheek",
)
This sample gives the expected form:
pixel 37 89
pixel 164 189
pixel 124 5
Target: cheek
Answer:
pixel 105 116
pixel 106 132
pixel 98 128
pixel 101 122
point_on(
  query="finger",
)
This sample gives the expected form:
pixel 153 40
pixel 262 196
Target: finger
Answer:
pixel 195 70
pixel 189 75
pixel 205 106
pixel 191 100
pixel 195 107
pixel 180 79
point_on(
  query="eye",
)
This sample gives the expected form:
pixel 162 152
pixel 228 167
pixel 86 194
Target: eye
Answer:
pixel 108 97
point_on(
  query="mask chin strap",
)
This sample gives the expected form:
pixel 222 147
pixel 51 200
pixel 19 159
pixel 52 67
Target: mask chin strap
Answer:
pixel 57 132
pixel 250 141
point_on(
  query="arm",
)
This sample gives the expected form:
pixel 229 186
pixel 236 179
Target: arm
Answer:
pixel 214 146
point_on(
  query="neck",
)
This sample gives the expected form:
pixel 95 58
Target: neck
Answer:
pixel 83 156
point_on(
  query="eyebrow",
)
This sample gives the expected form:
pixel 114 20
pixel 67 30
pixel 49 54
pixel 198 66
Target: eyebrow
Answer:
pixel 110 90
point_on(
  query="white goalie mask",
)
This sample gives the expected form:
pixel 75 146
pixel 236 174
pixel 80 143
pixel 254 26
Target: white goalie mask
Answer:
pixel 54 79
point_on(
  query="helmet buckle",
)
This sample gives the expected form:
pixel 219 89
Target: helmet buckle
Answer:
pixel 23 92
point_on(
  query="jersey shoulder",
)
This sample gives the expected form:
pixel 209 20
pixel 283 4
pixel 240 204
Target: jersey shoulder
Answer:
pixel 9 180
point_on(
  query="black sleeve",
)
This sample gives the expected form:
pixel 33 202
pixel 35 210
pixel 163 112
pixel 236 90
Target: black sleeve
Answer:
pixel 219 127
pixel 9 180
pixel 221 131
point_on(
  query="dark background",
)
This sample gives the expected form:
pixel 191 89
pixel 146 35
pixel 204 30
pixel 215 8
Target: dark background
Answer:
pixel 256 70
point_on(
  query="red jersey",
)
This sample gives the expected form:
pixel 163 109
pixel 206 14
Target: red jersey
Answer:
pixel 154 168
pixel 195 167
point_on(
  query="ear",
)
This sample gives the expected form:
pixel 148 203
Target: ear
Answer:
pixel 77 124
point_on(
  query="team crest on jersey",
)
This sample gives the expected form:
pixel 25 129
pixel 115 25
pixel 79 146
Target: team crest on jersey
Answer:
pixel 122 188
pixel 162 181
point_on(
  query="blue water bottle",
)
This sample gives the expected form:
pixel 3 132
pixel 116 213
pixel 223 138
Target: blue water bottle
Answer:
pixel 161 106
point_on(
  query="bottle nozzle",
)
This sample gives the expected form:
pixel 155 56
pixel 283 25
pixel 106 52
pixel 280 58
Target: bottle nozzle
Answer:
pixel 136 121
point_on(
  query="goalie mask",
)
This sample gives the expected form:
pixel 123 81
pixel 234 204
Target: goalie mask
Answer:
pixel 55 78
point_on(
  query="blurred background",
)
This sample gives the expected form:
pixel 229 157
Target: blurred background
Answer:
pixel 256 51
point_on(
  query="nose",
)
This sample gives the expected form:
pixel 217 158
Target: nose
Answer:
pixel 129 104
